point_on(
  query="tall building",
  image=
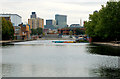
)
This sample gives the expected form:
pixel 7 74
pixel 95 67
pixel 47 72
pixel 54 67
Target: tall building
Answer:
pixel 15 18
pixel 51 22
pixel 61 20
pixel 36 22
pixel 33 15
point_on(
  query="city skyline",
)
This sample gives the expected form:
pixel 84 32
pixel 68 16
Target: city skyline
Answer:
pixel 75 10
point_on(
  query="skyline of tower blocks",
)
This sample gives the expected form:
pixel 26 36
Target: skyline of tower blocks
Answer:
pixel 61 20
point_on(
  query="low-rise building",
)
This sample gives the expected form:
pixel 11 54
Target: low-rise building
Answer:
pixel 25 32
pixel 50 24
pixel 76 25
pixel 66 31
pixel 17 32
pixel 15 18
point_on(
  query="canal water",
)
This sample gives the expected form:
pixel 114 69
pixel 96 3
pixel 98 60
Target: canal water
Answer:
pixel 42 58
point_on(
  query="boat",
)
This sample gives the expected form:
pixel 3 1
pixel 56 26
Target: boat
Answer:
pixel 58 41
pixel 63 41
pixel 69 42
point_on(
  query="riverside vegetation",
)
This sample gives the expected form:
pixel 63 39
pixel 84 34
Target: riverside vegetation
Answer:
pixel 104 25
pixel 7 29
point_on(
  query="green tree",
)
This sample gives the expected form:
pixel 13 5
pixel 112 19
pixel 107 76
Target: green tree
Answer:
pixel 105 24
pixel 11 30
pixel 79 31
pixel 39 31
pixel 7 30
pixel 70 32
pixel 33 32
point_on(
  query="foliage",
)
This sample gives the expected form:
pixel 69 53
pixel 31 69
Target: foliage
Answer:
pixel 43 34
pixel 7 30
pixel 37 31
pixel 79 41
pixel 79 32
pixel 70 32
pixel 33 32
pixel 104 25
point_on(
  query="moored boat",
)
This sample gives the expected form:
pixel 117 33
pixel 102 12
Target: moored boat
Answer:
pixel 63 41
pixel 58 41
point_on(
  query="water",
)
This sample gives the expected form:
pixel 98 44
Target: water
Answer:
pixel 42 58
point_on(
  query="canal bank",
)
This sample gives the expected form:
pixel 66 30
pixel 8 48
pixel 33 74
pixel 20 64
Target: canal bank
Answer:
pixel 12 41
pixel 107 43
pixel 98 43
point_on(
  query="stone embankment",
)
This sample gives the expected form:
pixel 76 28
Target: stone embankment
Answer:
pixel 12 41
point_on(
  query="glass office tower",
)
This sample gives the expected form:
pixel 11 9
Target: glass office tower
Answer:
pixel 61 20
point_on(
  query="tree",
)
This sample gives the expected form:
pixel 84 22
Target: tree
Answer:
pixel 33 32
pixel 11 29
pixel 7 30
pixel 104 25
pixel 37 31
pixel 79 31
pixel 70 33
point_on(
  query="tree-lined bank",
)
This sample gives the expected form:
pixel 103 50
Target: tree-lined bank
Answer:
pixel 104 25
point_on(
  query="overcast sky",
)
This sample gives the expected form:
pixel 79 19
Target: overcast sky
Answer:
pixel 46 9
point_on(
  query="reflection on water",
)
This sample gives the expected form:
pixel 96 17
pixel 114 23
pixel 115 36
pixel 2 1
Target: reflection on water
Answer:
pixel 110 73
pixel 47 59
pixel 103 71
pixel 104 50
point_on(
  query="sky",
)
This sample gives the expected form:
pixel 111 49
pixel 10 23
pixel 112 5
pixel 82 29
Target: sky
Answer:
pixel 46 9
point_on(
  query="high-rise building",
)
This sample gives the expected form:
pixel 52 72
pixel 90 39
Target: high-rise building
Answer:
pixel 14 18
pixel 36 22
pixel 61 20
pixel 33 15
pixel 50 22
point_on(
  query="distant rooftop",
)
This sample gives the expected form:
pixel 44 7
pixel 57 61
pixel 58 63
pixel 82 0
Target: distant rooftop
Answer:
pixel 60 15
pixel 33 12
pixel 37 18
pixel 12 14
pixel 49 19
pixel 76 26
